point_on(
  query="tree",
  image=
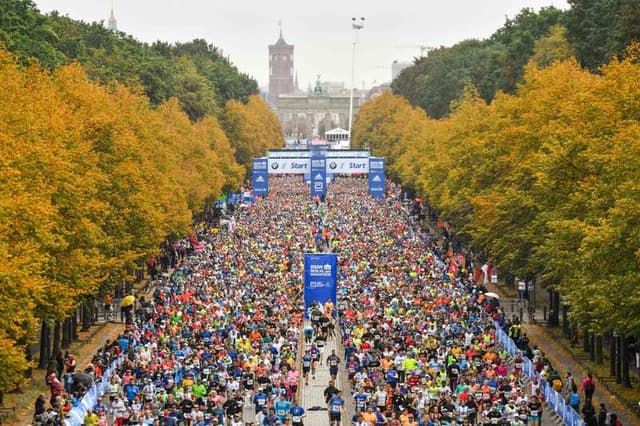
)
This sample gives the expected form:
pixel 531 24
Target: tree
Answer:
pixel 542 182
pixel 489 65
pixel 195 72
pixel 590 23
pixel 93 180
pixel 552 47
pixel 252 129
pixel 196 96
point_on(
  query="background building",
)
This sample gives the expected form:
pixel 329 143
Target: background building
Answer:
pixel 280 70
pixel 313 114
pixel 304 115
pixel 397 67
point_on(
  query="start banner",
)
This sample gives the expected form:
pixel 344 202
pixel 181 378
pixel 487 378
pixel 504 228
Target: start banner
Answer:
pixel 338 166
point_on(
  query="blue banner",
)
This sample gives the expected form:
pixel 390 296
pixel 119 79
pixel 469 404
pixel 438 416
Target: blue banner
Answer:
pixel 260 177
pixel 320 279
pixel 377 177
pixel 318 176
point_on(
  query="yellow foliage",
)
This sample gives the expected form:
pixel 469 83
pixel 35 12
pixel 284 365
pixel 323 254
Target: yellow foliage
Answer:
pixel 543 182
pixel 253 129
pixel 92 179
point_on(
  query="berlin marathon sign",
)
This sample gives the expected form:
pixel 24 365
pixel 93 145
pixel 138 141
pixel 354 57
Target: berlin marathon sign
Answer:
pixel 260 177
pixel 377 177
pixel 320 279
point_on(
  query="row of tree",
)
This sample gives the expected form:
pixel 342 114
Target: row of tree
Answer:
pixel 542 183
pixel 196 73
pixel 93 177
pixel 593 31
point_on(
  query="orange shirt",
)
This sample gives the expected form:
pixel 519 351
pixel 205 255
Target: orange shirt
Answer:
pixel 370 417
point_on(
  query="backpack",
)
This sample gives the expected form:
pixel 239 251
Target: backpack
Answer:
pixel 589 386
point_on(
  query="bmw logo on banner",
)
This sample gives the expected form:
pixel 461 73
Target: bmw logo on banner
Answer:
pixel 260 177
pixel 377 177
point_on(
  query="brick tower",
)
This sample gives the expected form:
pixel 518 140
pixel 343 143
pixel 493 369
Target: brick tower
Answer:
pixel 280 69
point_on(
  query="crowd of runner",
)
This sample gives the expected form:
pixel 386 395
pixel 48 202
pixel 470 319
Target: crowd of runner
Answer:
pixel 220 337
pixel 419 343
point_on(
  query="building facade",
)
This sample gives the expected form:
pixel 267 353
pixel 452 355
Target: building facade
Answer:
pixel 281 74
pixel 304 115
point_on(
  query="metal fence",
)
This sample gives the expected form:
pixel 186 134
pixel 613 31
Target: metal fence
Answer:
pixel 554 399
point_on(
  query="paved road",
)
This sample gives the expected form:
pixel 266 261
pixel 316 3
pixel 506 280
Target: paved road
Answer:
pixel 313 394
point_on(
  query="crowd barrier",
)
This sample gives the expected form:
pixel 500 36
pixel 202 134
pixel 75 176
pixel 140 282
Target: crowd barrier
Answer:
pixel 76 415
pixel 554 399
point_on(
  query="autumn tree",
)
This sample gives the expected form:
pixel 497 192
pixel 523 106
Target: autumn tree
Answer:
pixel 93 180
pixel 252 129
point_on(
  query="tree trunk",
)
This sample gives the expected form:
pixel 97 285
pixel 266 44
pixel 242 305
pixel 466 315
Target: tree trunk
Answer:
pixel 624 357
pixel 598 350
pixel 592 346
pixel 554 312
pixel 66 332
pixel 585 342
pixel 44 346
pixel 86 315
pixel 618 344
pixel 613 355
pixel 74 325
pixel 566 326
pixel 57 328
pixel 28 354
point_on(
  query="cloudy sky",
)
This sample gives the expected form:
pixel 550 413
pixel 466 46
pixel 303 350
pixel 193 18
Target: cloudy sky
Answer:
pixel 321 30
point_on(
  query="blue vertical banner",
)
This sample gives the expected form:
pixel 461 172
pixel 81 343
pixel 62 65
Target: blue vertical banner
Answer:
pixel 320 279
pixel 318 173
pixel 260 177
pixel 377 178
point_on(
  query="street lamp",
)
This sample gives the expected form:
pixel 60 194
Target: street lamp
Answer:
pixel 356 26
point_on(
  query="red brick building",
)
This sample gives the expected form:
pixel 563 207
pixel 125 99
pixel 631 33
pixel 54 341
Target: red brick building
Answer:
pixel 280 70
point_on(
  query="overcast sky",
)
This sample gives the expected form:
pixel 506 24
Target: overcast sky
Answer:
pixel 321 30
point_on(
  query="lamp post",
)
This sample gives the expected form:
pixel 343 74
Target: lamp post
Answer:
pixel 356 26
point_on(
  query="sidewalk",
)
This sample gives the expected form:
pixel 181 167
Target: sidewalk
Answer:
pixel 565 362
pixel 85 347
pixel 313 394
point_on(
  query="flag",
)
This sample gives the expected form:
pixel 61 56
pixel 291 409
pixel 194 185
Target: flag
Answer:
pixel 477 275
pixel 453 268
pixel 486 271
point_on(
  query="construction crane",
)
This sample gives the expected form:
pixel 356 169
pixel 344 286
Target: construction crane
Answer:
pixel 422 48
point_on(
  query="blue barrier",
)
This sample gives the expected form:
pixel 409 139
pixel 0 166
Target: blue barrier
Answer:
pixel 554 399
pixel 76 415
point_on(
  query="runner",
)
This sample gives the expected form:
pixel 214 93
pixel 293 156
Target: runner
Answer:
pixel 221 333
pixel 336 407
